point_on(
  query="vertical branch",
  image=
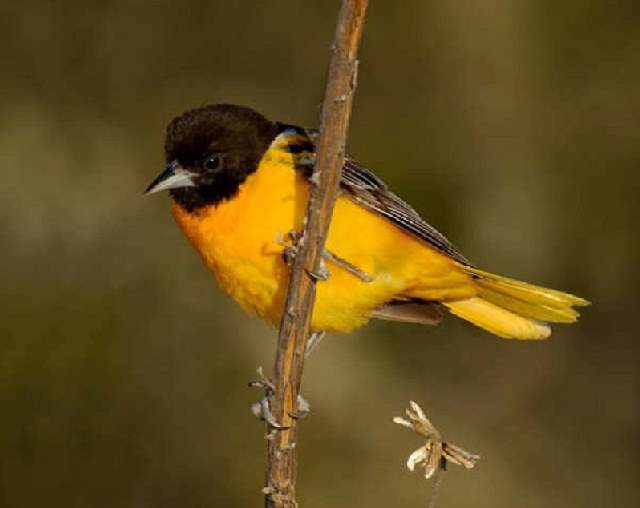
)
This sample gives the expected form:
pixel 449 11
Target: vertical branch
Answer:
pixel 296 319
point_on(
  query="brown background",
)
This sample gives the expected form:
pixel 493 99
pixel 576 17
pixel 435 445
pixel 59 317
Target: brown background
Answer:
pixel 511 125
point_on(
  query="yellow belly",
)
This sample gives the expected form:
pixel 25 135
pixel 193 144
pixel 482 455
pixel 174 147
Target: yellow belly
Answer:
pixel 238 240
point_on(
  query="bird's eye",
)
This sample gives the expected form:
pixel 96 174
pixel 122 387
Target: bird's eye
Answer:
pixel 213 162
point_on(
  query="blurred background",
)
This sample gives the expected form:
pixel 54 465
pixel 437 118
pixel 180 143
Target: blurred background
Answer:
pixel 512 126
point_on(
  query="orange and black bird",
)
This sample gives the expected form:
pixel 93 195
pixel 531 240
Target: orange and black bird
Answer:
pixel 239 185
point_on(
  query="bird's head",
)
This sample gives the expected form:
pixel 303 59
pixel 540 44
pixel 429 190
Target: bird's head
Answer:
pixel 210 151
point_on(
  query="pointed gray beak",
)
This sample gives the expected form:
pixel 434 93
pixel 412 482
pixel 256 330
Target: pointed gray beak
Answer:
pixel 173 177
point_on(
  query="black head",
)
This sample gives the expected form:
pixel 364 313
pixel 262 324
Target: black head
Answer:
pixel 210 151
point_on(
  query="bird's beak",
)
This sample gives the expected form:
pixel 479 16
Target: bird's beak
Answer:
pixel 174 176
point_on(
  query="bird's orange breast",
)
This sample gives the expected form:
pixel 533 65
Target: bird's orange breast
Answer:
pixel 240 240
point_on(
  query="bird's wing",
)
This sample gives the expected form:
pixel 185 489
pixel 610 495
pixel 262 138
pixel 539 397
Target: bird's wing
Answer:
pixel 368 190
pixel 371 192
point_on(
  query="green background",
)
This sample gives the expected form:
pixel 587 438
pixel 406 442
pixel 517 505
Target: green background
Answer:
pixel 512 126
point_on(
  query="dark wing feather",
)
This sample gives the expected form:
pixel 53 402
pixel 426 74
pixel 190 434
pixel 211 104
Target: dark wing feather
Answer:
pixel 413 311
pixel 368 190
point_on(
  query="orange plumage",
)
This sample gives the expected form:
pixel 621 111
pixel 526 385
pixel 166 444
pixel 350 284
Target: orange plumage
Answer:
pixel 240 240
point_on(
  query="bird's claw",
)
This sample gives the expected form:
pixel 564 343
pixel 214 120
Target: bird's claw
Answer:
pixel 290 246
pixel 322 273
pixel 290 243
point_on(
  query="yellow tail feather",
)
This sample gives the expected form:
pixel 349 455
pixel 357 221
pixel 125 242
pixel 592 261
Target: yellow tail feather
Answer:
pixel 513 309
pixel 497 320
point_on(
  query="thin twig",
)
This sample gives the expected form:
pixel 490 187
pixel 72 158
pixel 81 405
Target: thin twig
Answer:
pixel 296 317
pixel 437 483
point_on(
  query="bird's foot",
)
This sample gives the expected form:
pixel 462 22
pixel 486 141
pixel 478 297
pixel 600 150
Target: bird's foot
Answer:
pixel 322 273
pixel 291 244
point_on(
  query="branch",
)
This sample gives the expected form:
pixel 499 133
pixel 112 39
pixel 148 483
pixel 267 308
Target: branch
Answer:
pixel 296 317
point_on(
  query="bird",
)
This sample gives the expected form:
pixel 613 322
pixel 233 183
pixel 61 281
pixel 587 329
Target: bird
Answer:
pixel 239 186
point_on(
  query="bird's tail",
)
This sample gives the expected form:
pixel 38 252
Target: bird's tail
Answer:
pixel 515 310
